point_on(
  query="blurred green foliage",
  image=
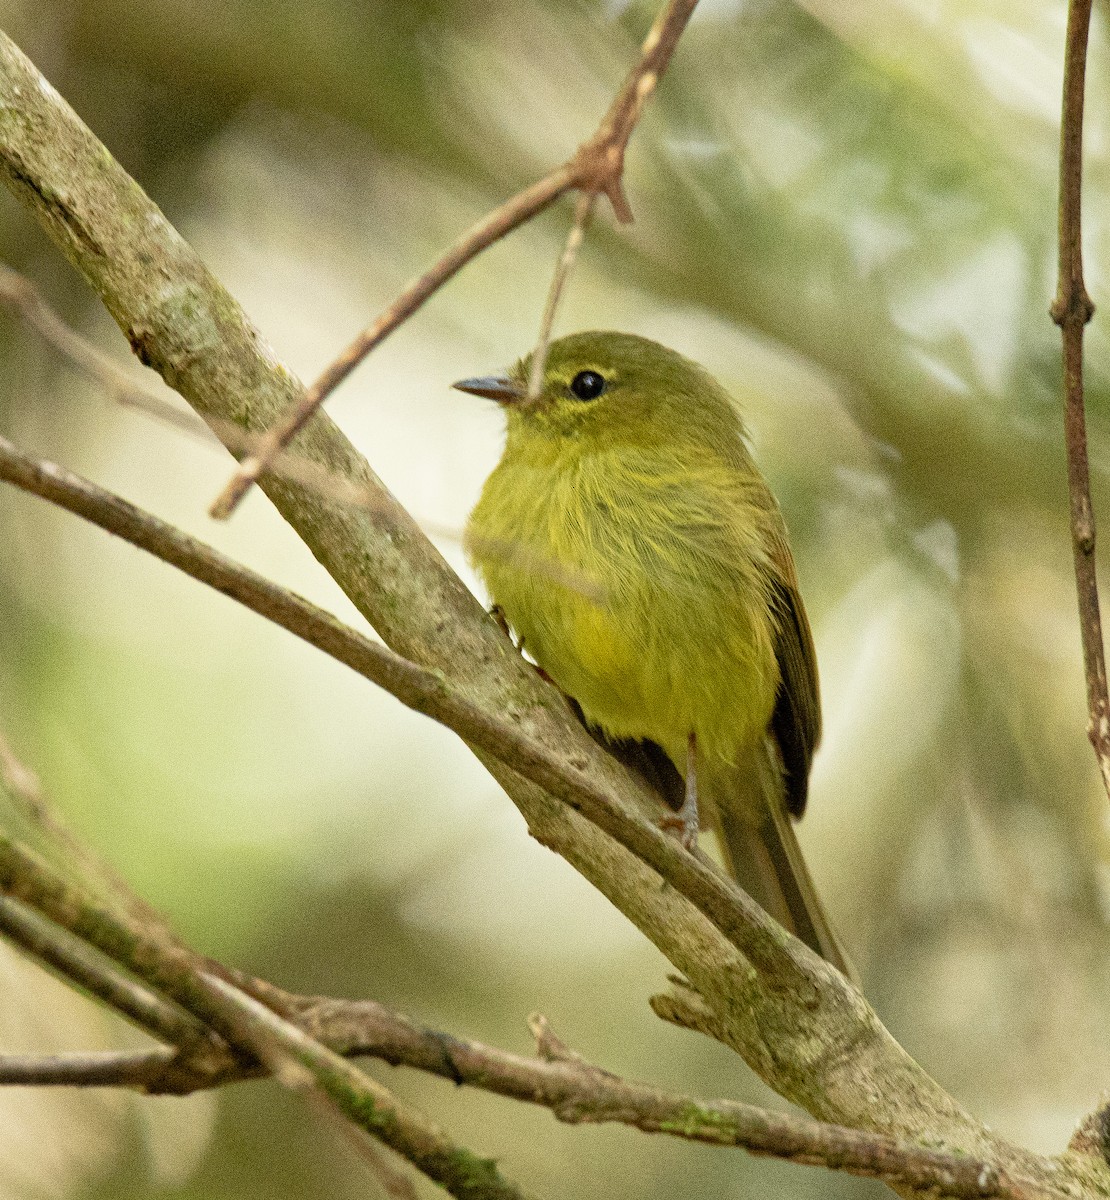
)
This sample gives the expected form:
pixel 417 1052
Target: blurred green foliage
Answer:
pixel 848 213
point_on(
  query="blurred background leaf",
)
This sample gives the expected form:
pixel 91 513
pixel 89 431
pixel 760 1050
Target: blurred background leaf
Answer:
pixel 848 214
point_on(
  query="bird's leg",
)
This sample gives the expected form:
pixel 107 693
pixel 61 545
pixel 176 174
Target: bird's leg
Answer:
pixel 498 614
pixel 685 821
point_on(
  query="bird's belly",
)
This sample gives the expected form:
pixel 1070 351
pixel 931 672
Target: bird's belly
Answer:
pixel 631 614
pixel 646 667
pixel 594 656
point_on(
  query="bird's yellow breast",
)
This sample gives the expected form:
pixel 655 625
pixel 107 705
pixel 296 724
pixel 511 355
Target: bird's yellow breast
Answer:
pixel 638 582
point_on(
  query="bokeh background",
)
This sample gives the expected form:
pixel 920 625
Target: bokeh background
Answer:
pixel 848 213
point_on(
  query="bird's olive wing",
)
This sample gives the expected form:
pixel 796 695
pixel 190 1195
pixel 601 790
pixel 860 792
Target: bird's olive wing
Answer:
pixel 796 721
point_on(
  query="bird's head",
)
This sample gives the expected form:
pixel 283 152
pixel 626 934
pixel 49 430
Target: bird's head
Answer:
pixel 610 388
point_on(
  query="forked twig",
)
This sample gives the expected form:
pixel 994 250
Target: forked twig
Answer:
pixel 1071 310
pixel 597 166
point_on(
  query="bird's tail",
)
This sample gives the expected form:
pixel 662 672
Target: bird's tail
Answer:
pixel 762 853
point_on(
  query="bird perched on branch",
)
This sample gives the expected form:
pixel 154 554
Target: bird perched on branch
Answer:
pixel 629 470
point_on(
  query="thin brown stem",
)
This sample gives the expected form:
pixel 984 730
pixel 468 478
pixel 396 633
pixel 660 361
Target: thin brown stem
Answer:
pixel 582 213
pixel 601 159
pixel 138 1069
pixel 479 237
pixel 21 296
pixel 1071 310
pixel 597 166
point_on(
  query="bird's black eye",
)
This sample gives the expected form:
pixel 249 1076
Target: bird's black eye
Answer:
pixel 587 385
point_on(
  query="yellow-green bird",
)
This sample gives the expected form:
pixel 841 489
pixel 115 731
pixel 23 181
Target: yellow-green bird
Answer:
pixel 630 541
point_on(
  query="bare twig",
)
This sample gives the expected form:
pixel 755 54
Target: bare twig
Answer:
pixel 24 299
pixel 1071 310
pixel 582 214
pixel 597 166
pixel 109 1068
pixel 490 229
pixel 20 295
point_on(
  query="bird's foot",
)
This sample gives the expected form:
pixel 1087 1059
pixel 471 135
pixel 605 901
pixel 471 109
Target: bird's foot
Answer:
pixel 683 825
pixel 498 614
pixel 685 822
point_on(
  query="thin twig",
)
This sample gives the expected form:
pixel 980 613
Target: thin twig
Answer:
pixel 582 213
pixel 25 299
pixel 490 229
pixel 1071 310
pixel 765 943
pixel 597 166
pixel 108 1068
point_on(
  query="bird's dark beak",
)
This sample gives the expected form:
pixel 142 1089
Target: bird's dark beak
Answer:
pixel 494 387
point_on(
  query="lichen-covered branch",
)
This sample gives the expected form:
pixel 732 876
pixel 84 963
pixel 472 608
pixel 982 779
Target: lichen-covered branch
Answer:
pixel 274 1027
pixel 71 958
pixel 212 995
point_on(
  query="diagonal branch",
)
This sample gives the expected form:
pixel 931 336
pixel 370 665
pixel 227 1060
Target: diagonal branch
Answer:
pixel 597 166
pixel 71 958
pixel 25 791
pixel 768 947
pixel 301 1062
pixel 1071 310
pixel 20 295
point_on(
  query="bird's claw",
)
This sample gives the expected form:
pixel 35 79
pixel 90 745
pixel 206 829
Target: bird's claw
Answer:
pixel 684 824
